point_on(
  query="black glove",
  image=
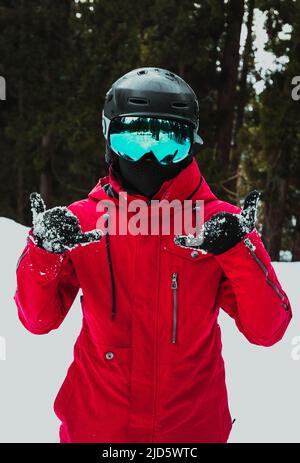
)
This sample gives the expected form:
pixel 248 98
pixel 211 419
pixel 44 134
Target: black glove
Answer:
pixel 57 229
pixel 224 230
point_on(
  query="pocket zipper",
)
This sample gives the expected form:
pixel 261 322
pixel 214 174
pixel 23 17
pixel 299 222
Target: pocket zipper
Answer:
pixel 251 247
pixel 174 286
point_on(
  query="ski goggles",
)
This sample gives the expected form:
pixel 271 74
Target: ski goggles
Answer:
pixel 133 136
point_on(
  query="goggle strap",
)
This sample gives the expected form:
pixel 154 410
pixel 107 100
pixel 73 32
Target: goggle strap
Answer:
pixel 105 125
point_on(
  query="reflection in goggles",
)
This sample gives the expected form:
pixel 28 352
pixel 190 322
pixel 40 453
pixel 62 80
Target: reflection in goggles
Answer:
pixel 132 136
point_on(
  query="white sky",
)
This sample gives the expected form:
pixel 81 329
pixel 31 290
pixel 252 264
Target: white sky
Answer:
pixel 264 61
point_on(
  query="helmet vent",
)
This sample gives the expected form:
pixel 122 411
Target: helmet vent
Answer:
pixel 179 105
pixel 170 74
pixel 143 71
pixel 138 101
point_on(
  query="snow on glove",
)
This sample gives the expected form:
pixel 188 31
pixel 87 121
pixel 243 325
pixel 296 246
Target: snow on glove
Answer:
pixel 224 229
pixel 57 229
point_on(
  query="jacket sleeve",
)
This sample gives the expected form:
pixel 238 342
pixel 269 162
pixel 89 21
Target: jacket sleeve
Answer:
pixel 46 288
pixel 251 293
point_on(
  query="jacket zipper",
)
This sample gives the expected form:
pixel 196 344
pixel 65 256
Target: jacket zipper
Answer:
pixel 251 247
pixel 174 287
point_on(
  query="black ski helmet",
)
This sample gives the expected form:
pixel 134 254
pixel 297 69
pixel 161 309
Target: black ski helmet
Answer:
pixel 150 91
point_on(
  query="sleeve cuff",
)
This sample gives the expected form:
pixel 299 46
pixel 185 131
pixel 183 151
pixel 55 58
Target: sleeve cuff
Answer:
pixel 240 246
pixel 46 265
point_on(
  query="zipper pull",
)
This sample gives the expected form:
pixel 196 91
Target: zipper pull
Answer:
pixel 174 281
pixel 249 244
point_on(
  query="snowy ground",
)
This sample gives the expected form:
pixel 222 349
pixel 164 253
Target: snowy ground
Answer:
pixel 263 383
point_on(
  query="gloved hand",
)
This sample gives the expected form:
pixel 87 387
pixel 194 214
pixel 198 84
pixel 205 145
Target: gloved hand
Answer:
pixel 57 229
pixel 224 229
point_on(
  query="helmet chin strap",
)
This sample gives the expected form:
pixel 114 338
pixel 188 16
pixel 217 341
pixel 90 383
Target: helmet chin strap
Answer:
pixel 147 175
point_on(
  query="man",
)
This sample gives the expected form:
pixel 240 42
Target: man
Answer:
pixel 147 363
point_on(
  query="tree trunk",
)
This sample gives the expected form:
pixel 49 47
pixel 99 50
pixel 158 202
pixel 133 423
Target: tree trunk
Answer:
pixel 276 196
pixel 243 96
pixel 45 174
pixel 274 214
pixel 181 69
pixel 20 150
pixel 243 87
pixel 296 241
pixel 20 194
pixel 228 83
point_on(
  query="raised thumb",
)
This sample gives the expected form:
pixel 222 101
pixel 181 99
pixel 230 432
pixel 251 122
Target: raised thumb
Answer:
pixel 37 204
pixel 250 208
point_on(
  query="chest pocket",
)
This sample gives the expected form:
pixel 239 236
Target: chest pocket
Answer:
pixel 195 271
pixel 190 278
pixel 191 255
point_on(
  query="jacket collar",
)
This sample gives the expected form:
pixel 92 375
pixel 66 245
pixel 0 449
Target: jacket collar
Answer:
pixel 185 185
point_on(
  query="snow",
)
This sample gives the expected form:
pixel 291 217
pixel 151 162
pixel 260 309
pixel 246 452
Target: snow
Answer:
pixel 263 382
pixel 33 366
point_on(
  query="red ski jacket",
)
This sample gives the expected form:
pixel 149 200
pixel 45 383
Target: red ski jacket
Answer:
pixel 147 364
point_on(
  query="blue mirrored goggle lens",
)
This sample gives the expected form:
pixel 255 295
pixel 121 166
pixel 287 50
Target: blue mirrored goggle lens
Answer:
pixel 133 136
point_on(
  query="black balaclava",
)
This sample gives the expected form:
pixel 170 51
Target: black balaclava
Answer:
pixel 146 175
